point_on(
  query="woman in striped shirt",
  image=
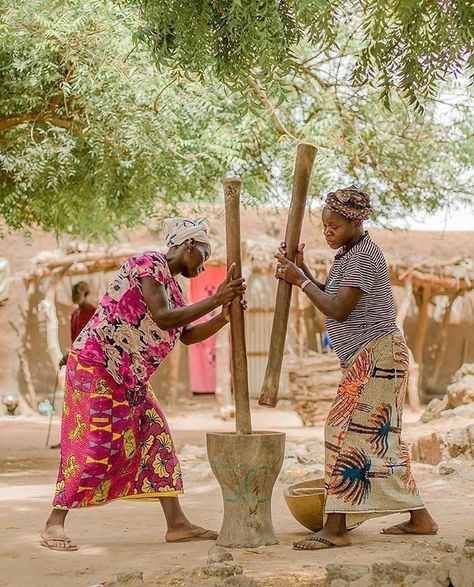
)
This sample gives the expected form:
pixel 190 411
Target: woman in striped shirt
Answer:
pixel 368 469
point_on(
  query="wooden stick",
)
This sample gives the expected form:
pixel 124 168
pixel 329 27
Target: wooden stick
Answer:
pixel 243 422
pixel 305 154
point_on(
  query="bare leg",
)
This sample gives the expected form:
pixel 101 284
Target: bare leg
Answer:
pixel 53 535
pixel 420 522
pixel 334 531
pixel 180 529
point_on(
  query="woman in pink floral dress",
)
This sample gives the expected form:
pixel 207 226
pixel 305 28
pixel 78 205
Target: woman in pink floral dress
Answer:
pixel 115 441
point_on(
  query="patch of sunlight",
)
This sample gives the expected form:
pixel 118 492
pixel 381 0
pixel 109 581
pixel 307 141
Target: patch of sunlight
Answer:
pixel 93 550
pixel 19 492
pixel 201 488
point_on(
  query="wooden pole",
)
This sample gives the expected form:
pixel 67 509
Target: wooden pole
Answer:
pixel 413 387
pixel 173 381
pixel 413 367
pixel 421 330
pixel 30 399
pixel 223 376
pixel 232 188
pixel 422 325
pixel 402 311
pixel 305 154
pixel 465 348
pixel 48 309
pixel 441 345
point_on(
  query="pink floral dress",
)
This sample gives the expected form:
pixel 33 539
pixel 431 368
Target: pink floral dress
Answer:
pixel 115 441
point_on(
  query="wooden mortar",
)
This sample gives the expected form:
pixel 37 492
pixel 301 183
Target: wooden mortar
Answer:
pixel 246 464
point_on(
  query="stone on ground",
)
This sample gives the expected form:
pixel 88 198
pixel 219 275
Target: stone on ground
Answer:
pixel 223 570
pixel 345 572
pixel 217 554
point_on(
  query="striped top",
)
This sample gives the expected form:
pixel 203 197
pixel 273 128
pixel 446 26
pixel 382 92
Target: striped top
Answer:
pixel 362 266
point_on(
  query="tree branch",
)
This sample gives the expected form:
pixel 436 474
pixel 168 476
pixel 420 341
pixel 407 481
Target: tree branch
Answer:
pixel 49 115
pixel 281 128
pixel 17 119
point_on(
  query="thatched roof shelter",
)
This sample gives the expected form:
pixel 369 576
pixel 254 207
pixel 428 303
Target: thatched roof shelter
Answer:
pixel 425 265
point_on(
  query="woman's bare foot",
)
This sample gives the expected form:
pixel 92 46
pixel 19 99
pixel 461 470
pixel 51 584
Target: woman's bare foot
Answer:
pixel 188 532
pixel 420 523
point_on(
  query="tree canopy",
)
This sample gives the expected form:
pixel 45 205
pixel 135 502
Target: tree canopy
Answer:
pixel 93 136
pixel 87 144
pixel 407 45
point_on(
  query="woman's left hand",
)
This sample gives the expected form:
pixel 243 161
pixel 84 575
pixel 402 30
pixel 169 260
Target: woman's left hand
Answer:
pixel 288 271
pixel 226 309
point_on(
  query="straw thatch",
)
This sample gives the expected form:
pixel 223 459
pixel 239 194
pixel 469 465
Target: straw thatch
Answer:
pixel 424 267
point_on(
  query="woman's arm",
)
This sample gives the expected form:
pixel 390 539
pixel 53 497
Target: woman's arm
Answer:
pixel 199 332
pixel 337 307
pixel 193 334
pixel 167 318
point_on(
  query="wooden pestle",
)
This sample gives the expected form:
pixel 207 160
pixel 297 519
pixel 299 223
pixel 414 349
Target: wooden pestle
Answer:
pixel 232 188
pixel 305 154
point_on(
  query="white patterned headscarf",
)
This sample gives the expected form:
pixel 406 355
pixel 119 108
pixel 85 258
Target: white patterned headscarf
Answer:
pixel 179 230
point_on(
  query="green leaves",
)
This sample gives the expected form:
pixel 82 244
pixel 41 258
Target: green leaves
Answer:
pixel 94 137
pixel 408 45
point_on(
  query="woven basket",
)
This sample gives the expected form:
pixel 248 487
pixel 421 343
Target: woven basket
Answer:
pixel 313 382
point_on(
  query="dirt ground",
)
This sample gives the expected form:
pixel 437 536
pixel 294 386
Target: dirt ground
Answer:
pixel 126 535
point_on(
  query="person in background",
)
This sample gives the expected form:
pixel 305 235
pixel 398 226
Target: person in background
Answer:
pixel 79 318
pixel 82 314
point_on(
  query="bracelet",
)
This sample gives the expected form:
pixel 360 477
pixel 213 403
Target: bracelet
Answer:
pixel 304 284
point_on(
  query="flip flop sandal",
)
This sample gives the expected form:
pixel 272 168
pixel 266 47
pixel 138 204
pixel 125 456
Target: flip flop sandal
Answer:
pixel 68 548
pixel 206 535
pixel 404 531
pixel 327 543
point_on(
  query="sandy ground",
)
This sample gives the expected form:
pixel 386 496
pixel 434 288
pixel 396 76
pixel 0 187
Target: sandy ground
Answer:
pixel 131 535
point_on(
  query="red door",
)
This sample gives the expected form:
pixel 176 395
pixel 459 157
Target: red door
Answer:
pixel 202 356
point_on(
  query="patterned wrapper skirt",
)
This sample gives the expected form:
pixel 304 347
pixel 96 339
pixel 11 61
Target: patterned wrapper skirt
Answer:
pixel 114 444
pixel 368 469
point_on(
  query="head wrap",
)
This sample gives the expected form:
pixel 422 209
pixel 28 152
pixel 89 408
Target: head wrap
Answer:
pixel 179 230
pixel 80 287
pixel 351 202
